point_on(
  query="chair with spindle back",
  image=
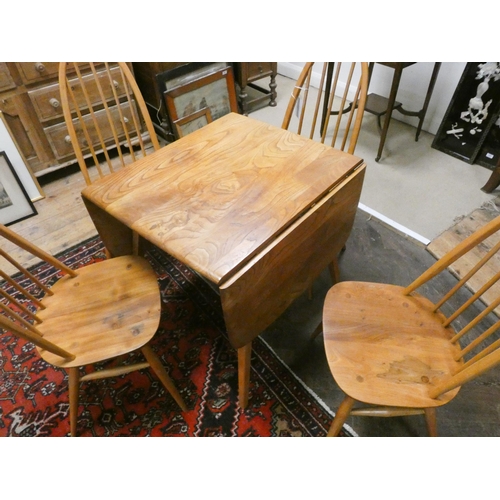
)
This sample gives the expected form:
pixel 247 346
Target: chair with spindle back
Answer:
pixel 327 105
pixel 104 111
pixel 105 114
pixel 96 313
pixel 400 353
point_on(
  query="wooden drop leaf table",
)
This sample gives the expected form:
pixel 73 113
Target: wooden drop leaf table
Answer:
pixel 258 211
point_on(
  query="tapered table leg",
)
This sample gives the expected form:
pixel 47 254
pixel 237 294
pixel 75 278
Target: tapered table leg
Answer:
pixel 244 355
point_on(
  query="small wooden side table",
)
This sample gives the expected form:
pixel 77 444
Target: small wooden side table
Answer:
pixel 379 105
pixel 246 74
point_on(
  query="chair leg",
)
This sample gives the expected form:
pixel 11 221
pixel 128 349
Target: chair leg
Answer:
pixel 431 420
pixel 334 270
pixel 161 373
pixel 74 389
pixel 342 413
pixel 317 331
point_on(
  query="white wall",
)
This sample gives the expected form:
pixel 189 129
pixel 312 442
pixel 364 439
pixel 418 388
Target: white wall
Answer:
pixel 412 88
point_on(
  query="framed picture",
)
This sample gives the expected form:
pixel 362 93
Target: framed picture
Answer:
pixel 181 75
pixel 15 204
pixel 471 115
pixel 9 145
pixel 190 123
pixel 215 91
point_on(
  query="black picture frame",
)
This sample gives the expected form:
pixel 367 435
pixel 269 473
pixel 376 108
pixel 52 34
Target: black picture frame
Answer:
pixel 464 132
pixel 15 204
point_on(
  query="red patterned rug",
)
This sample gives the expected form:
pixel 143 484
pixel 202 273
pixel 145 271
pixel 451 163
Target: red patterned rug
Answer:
pixel 193 346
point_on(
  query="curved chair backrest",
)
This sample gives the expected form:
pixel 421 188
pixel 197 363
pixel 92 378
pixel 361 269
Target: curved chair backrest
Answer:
pixel 105 113
pixel 480 350
pixel 328 104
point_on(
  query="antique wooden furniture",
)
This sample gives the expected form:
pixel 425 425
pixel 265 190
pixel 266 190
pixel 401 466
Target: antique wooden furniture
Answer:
pixel 393 348
pixel 380 106
pixel 95 313
pixel 31 104
pixel 249 206
pixel 494 180
pixel 104 110
pixel 246 75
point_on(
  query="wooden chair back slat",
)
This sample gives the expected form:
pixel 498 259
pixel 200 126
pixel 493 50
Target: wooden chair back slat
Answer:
pixel 20 289
pixel 467 277
pixel 345 99
pixel 476 316
pixel 25 310
pixel 105 114
pixel 31 334
pixel 16 317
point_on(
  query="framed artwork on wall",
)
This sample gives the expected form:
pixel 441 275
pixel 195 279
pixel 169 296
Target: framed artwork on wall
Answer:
pixel 15 204
pixel 472 115
pixel 193 122
pixel 215 91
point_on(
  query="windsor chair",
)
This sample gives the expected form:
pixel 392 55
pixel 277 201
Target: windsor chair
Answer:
pixel 96 313
pixel 400 353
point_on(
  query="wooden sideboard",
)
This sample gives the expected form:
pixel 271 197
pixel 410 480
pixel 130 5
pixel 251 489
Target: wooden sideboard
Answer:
pixel 30 102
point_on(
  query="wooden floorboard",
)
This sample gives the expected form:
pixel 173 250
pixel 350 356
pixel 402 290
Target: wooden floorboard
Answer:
pixel 461 230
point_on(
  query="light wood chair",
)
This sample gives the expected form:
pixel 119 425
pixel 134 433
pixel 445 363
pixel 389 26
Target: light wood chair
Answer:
pixel 96 313
pixel 328 102
pixel 393 349
pixel 104 112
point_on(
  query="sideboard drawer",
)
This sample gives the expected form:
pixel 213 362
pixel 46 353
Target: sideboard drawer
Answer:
pixel 6 81
pixel 32 71
pixel 61 143
pixel 47 100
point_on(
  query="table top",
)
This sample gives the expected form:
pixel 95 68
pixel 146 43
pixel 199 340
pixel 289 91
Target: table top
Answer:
pixel 216 197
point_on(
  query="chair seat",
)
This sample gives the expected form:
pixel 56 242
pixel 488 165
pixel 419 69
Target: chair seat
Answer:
pixel 387 348
pixel 115 310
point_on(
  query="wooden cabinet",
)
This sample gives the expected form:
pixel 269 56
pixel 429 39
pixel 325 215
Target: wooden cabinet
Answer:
pixel 251 94
pixel 30 102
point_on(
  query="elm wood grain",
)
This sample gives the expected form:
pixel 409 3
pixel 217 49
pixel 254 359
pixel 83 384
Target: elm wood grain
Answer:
pixel 96 313
pixel 389 346
pixel 291 262
pixel 227 196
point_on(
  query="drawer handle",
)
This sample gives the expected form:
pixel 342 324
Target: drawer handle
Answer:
pixel 40 67
pixel 54 102
pixel 116 84
pixel 83 142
